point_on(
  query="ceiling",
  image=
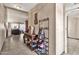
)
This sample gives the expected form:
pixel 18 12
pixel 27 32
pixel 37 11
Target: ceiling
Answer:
pixel 21 6
pixel 74 13
pixel 73 9
pixel 17 16
pixel 69 4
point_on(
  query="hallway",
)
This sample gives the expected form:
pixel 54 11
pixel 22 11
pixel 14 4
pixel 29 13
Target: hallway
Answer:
pixel 41 24
pixel 15 46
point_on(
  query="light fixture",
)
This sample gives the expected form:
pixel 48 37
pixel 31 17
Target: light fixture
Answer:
pixel 18 7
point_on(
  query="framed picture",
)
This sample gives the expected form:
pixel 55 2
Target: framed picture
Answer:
pixel 36 18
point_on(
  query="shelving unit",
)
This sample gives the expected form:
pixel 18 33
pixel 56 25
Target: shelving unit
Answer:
pixel 44 24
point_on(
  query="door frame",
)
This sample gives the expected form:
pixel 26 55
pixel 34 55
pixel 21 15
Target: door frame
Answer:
pixel 66 29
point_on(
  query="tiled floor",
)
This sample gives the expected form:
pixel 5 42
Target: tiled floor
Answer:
pixel 15 46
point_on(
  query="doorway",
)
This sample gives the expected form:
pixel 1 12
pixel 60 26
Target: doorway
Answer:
pixel 72 32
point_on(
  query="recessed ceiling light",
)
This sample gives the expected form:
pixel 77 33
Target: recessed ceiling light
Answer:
pixel 18 7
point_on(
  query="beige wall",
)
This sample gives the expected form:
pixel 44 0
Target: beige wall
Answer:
pixel 2 28
pixel 72 26
pixel 73 29
pixel 2 13
pixel 44 11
